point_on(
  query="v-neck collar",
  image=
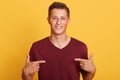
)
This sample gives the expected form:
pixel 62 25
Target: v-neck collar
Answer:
pixel 57 47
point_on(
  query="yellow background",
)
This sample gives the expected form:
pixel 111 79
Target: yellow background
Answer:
pixel 95 22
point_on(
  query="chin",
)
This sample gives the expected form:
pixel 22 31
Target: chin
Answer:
pixel 58 33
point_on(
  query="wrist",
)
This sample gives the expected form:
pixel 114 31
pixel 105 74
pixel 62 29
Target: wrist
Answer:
pixel 93 70
pixel 25 72
pixel 26 75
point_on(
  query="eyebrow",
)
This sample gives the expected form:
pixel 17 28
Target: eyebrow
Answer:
pixel 56 16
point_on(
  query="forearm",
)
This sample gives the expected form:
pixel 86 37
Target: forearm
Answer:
pixel 26 76
pixel 88 76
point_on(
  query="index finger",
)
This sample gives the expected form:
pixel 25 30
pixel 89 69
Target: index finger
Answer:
pixel 40 61
pixel 80 60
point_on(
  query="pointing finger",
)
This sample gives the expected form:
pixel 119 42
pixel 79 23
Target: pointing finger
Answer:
pixel 40 61
pixel 79 59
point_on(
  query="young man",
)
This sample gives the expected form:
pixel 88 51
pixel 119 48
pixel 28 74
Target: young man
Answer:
pixel 58 57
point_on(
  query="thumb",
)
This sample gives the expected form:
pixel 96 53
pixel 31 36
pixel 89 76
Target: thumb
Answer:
pixel 91 56
pixel 28 58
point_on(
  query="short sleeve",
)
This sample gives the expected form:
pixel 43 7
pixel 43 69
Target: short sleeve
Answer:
pixel 85 52
pixel 85 56
pixel 32 53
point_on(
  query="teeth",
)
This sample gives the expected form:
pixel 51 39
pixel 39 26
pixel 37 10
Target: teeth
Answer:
pixel 58 27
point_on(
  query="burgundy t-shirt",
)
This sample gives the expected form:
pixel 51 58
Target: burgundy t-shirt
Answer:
pixel 60 64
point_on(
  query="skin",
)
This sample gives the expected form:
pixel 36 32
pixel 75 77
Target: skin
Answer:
pixel 58 20
pixel 88 66
pixel 31 68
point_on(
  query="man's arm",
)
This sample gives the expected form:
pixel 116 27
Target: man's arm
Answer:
pixel 87 75
pixel 88 68
pixel 30 68
pixel 26 76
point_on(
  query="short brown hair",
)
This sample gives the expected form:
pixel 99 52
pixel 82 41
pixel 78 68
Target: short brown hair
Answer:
pixel 58 5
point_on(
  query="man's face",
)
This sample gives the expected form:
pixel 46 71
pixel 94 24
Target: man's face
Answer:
pixel 58 20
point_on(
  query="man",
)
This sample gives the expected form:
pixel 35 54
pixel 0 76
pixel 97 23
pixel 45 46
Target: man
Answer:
pixel 58 57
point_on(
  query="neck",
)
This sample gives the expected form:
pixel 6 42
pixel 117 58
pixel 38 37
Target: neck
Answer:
pixel 58 38
pixel 59 41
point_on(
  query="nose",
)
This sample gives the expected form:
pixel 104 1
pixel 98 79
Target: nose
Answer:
pixel 58 22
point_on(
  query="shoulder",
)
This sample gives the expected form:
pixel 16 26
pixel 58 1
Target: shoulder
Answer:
pixel 80 46
pixel 77 42
pixel 41 42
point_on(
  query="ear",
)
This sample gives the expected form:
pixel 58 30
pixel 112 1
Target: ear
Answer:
pixel 69 20
pixel 48 19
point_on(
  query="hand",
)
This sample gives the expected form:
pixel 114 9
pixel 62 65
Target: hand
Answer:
pixel 32 67
pixel 87 65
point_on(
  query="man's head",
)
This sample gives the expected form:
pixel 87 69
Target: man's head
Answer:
pixel 58 5
pixel 58 18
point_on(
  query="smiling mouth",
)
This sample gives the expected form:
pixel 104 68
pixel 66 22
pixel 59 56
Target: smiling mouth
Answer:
pixel 58 27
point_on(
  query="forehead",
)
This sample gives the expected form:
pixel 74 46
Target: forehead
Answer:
pixel 58 12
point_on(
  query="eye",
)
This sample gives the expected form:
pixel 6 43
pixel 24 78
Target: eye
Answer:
pixel 54 18
pixel 63 18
